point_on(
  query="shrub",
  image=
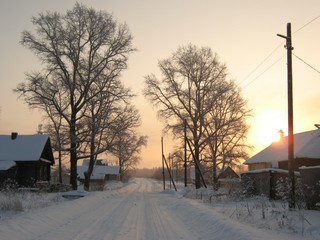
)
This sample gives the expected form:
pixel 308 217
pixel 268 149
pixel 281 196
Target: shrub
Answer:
pixel 8 202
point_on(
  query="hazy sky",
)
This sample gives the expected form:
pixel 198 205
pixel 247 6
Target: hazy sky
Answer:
pixel 243 33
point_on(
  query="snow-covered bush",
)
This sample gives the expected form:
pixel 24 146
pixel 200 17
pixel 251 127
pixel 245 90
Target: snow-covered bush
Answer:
pixel 8 185
pixel 248 189
pixel 17 201
pixel 283 186
pixel 8 202
pixel 312 196
pixel 282 189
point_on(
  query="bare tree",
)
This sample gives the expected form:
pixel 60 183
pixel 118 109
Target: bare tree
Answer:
pixel 58 135
pixel 100 125
pixel 128 143
pixel 226 130
pixel 194 87
pixel 81 51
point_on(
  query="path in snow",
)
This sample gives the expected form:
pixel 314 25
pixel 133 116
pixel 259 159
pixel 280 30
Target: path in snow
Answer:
pixel 140 210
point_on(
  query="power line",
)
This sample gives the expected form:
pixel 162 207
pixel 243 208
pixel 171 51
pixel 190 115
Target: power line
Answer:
pixel 262 62
pixel 274 63
pixel 270 54
pixel 307 24
pixel 306 63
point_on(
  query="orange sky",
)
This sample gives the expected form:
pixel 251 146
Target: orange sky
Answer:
pixel 243 33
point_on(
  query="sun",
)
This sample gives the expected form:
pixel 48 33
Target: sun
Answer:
pixel 266 127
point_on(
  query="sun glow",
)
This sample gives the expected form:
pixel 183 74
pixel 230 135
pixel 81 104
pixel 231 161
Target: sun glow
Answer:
pixel 267 127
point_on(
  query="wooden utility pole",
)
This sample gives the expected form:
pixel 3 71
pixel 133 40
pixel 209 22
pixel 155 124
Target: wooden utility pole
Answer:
pixel 163 173
pixel 197 165
pixel 185 153
pixel 164 161
pixel 170 169
pixel 169 172
pixel 290 117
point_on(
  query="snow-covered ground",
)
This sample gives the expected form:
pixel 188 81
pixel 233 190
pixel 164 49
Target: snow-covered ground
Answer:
pixel 142 210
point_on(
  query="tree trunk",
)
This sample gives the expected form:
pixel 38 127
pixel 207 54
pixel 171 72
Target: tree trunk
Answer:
pixel 73 155
pixel 120 169
pixel 87 176
pixel 197 170
pixel 214 174
pixel 88 173
pixel 86 184
pixel 73 169
pixel 60 165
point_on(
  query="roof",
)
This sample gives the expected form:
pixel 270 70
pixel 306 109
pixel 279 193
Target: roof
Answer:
pixel 306 145
pixel 97 162
pixel 25 148
pixel 227 172
pixel 5 165
pixel 270 170
pixel 99 171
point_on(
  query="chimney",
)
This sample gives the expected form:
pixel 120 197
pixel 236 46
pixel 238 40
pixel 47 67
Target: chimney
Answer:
pixel 281 134
pixel 14 135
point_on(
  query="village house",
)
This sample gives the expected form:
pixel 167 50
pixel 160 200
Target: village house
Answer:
pixel 269 165
pixel 306 153
pixel 25 159
pixel 101 173
pixel 228 178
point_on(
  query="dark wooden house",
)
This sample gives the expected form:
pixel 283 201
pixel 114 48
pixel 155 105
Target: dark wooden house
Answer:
pixel 25 159
pixel 271 164
pixel 228 178
pixel 227 173
pixel 306 153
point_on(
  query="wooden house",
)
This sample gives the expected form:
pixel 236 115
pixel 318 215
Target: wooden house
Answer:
pixel 227 173
pixel 271 164
pixel 25 159
pixel 101 172
pixel 306 153
pixel 228 178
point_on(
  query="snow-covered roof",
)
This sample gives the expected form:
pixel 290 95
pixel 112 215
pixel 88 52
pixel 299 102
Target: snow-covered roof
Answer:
pixel 98 162
pixel 99 171
pixel 5 165
pixel 310 167
pixel 22 148
pixel 306 145
pixel 271 170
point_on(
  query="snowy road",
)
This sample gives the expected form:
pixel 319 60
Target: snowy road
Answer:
pixel 140 210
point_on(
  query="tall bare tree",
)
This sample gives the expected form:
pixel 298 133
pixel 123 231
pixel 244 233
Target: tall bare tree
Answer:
pixel 81 52
pixel 128 143
pixel 194 87
pixel 58 134
pixel 101 126
pixel 225 130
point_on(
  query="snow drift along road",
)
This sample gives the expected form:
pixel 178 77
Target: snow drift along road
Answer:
pixel 140 210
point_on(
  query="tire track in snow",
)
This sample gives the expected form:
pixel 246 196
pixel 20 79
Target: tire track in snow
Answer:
pixel 140 210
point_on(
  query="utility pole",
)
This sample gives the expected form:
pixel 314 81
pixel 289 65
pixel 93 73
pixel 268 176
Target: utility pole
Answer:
pixel 290 117
pixel 170 168
pixel 163 173
pixel 185 152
